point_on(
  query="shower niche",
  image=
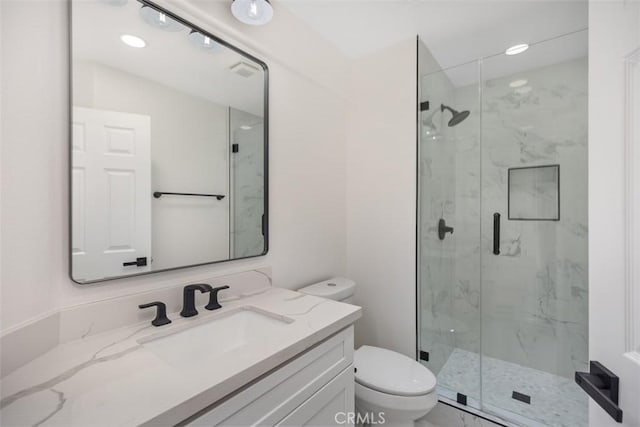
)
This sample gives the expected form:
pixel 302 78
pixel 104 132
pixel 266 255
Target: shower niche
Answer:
pixel 534 193
pixel 505 330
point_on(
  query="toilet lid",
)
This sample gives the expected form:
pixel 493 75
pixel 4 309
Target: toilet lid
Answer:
pixel 337 289
pixel 390 372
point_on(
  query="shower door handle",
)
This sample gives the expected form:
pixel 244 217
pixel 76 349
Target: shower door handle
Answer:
pixel 496 233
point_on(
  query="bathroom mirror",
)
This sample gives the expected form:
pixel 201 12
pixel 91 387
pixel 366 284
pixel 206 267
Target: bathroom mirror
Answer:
pixel 168 150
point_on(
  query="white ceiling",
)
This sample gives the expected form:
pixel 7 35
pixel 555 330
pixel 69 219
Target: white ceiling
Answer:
pixel 456 31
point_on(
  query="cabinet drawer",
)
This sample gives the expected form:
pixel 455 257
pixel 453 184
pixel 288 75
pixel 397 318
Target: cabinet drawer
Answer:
pixel 330 406
pixel 274 396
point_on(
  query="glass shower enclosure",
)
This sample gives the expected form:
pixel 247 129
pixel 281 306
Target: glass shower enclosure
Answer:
pixel 502 231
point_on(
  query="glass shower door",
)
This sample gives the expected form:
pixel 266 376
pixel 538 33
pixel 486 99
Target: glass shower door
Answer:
pixel 534 233
pixel 502 231
pixel 246 132
pixel 449 229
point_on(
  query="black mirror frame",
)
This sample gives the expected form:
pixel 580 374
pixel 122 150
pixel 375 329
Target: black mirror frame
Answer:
pixel 265 220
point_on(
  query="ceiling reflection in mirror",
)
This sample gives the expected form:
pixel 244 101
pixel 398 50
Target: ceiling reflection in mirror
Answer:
pixel 168 144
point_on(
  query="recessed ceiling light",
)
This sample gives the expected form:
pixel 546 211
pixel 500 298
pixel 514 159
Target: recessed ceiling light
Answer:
pixel 518 83
pixel 252 12
pixel 523 90
pixel 245 127
pixel 132 41
pixel 514 50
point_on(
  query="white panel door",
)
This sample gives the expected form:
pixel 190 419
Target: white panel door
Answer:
pixel 614 202
pixel 111 193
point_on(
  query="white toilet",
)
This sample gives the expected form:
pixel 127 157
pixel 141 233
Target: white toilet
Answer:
pixel 388 384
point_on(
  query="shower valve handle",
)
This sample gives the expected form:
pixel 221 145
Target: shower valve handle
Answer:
pixel 443 229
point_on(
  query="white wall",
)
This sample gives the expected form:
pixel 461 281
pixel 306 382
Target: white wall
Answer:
pixel 614 32
pixel 189 153
pixel 307 157
pixel 381 195
pixel 33 169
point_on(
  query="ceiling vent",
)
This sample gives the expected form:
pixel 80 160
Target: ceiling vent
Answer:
pixel 243 69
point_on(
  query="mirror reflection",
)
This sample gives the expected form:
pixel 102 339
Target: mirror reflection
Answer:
pixel 167 144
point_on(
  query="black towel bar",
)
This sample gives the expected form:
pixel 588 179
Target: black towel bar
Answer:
pixel 158 194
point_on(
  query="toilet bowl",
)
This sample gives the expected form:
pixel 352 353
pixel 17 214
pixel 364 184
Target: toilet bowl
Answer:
pixel 390 388
pixel 394 385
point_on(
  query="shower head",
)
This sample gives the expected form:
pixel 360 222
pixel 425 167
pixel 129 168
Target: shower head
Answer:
pixel 458 116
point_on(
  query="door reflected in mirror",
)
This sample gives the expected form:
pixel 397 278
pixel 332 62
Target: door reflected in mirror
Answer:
pixel 168 144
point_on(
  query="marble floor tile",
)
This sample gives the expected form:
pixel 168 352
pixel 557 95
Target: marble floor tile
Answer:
pixel 555 401
pixel 444 415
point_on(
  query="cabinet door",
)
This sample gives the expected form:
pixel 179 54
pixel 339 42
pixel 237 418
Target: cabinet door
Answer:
pixel 281 392
pixel 330 406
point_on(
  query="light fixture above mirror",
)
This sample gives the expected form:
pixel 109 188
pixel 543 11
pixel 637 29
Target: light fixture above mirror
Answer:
pixel 252 12
pixel 159 19
pixel 205 42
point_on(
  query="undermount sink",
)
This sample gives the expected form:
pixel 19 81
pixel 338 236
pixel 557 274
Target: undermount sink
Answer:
pixel 216 336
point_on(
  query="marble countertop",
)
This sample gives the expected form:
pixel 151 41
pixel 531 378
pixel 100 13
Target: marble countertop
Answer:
pixel 110 379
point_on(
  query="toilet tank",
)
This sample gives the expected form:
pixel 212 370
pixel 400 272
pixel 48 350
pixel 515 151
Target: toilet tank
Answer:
pixel 337 288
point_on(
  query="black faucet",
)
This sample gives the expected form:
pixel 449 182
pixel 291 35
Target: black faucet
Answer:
pixel 189 298
pixel 213 298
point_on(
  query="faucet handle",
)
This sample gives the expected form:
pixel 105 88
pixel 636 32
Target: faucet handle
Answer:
pixel 161 313
pixel 213 298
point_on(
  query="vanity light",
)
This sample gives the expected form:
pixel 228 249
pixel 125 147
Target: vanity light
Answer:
pixel 518 83
pixel 160 20
pixel 132 41
pixel 514 50
pixel 204 42
pixel 252 12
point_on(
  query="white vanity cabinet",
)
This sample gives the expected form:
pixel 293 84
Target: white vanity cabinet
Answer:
pixel 315 388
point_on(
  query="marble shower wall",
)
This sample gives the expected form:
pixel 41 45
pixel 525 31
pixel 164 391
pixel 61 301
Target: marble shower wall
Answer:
pixel 446 319
pixel 534 294
pixel 247 170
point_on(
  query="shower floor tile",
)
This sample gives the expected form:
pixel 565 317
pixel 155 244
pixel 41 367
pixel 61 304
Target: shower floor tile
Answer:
pixel 555 401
